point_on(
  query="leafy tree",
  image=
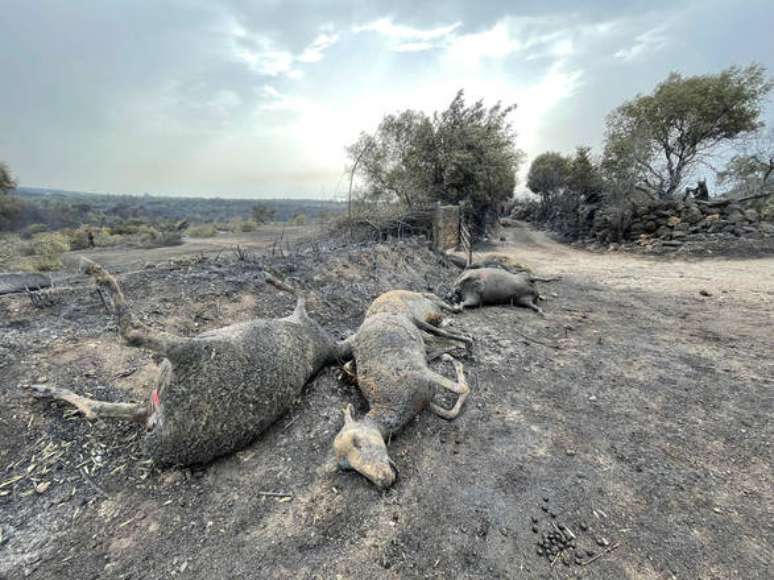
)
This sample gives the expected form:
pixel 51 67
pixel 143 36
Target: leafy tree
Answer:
pixel 655 142
pixel 7 182
pixel 11 208
pixel 548 175
pixel 584 178
pixel 390 161
pixel 475 157
pixel 263 213
pixel 751 170
pixel 465 153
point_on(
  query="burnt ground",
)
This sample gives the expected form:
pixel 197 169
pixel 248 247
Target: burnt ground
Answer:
pixel 639 407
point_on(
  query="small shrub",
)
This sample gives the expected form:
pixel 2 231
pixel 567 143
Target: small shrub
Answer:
pixel 121 228
pixel 155 239
pixel 105 239
pixel 238 225
pixel 298 220
pixel 248 226
pixel 170 238
pixel 44 252
pixel 32 229
pixel 201 231
pixel 79 239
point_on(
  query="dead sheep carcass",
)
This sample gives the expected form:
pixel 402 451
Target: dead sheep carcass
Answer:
pixel 393 375
pixel 219 390
pixel 482 286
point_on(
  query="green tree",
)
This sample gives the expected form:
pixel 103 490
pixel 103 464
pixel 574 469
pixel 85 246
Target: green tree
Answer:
pixel 465 153
pixel 751 170
pixel 655 142
pixel 7 182
pixel 263 213
pixel 390 161
pixel 548 176
pixel 584 178
pixel 11 207
pixel 298 220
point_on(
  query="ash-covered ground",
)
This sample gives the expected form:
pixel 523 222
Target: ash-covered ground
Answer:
pixel 636 415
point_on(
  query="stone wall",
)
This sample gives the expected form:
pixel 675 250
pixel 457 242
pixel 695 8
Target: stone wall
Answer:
pixel 446 227
pixel 673 223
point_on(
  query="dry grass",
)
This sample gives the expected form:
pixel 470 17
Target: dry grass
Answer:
pixel 201 231
pixel 41 254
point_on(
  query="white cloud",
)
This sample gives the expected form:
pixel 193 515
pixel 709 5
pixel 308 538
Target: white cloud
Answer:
pixel 532 38
pixel 647 42
pixel 274 100
pixel 270 92
pixel 314 52
pixel 404 38
pixel 263 55
pixel 496 42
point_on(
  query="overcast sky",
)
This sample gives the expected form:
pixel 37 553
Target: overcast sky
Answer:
pixel 259 99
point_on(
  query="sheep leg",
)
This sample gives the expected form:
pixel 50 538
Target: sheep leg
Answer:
pixel 91 408
pixel 430 329
pixel 442 304
pixel 529 302
pixel 279 284
pixel 470 301
pixel 460 387
pixel 132 330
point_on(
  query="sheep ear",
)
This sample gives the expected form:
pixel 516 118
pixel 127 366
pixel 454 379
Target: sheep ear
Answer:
pixel 348 414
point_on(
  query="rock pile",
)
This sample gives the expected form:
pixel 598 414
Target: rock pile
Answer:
pixel 672 223
pixel 655 225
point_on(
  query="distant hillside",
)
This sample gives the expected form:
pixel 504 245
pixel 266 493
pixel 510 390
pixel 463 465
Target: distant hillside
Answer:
pixel 58 208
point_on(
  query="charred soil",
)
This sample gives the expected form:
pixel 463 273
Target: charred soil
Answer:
pixel 636 415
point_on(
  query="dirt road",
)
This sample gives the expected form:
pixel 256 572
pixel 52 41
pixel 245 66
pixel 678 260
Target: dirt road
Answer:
pixel 751 279
pixel 637 413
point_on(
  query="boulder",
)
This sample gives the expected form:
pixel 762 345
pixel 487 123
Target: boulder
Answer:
pixel 673 221
pixel 731 208
pixel 752 215
pixel 663 232
pixel 692 214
